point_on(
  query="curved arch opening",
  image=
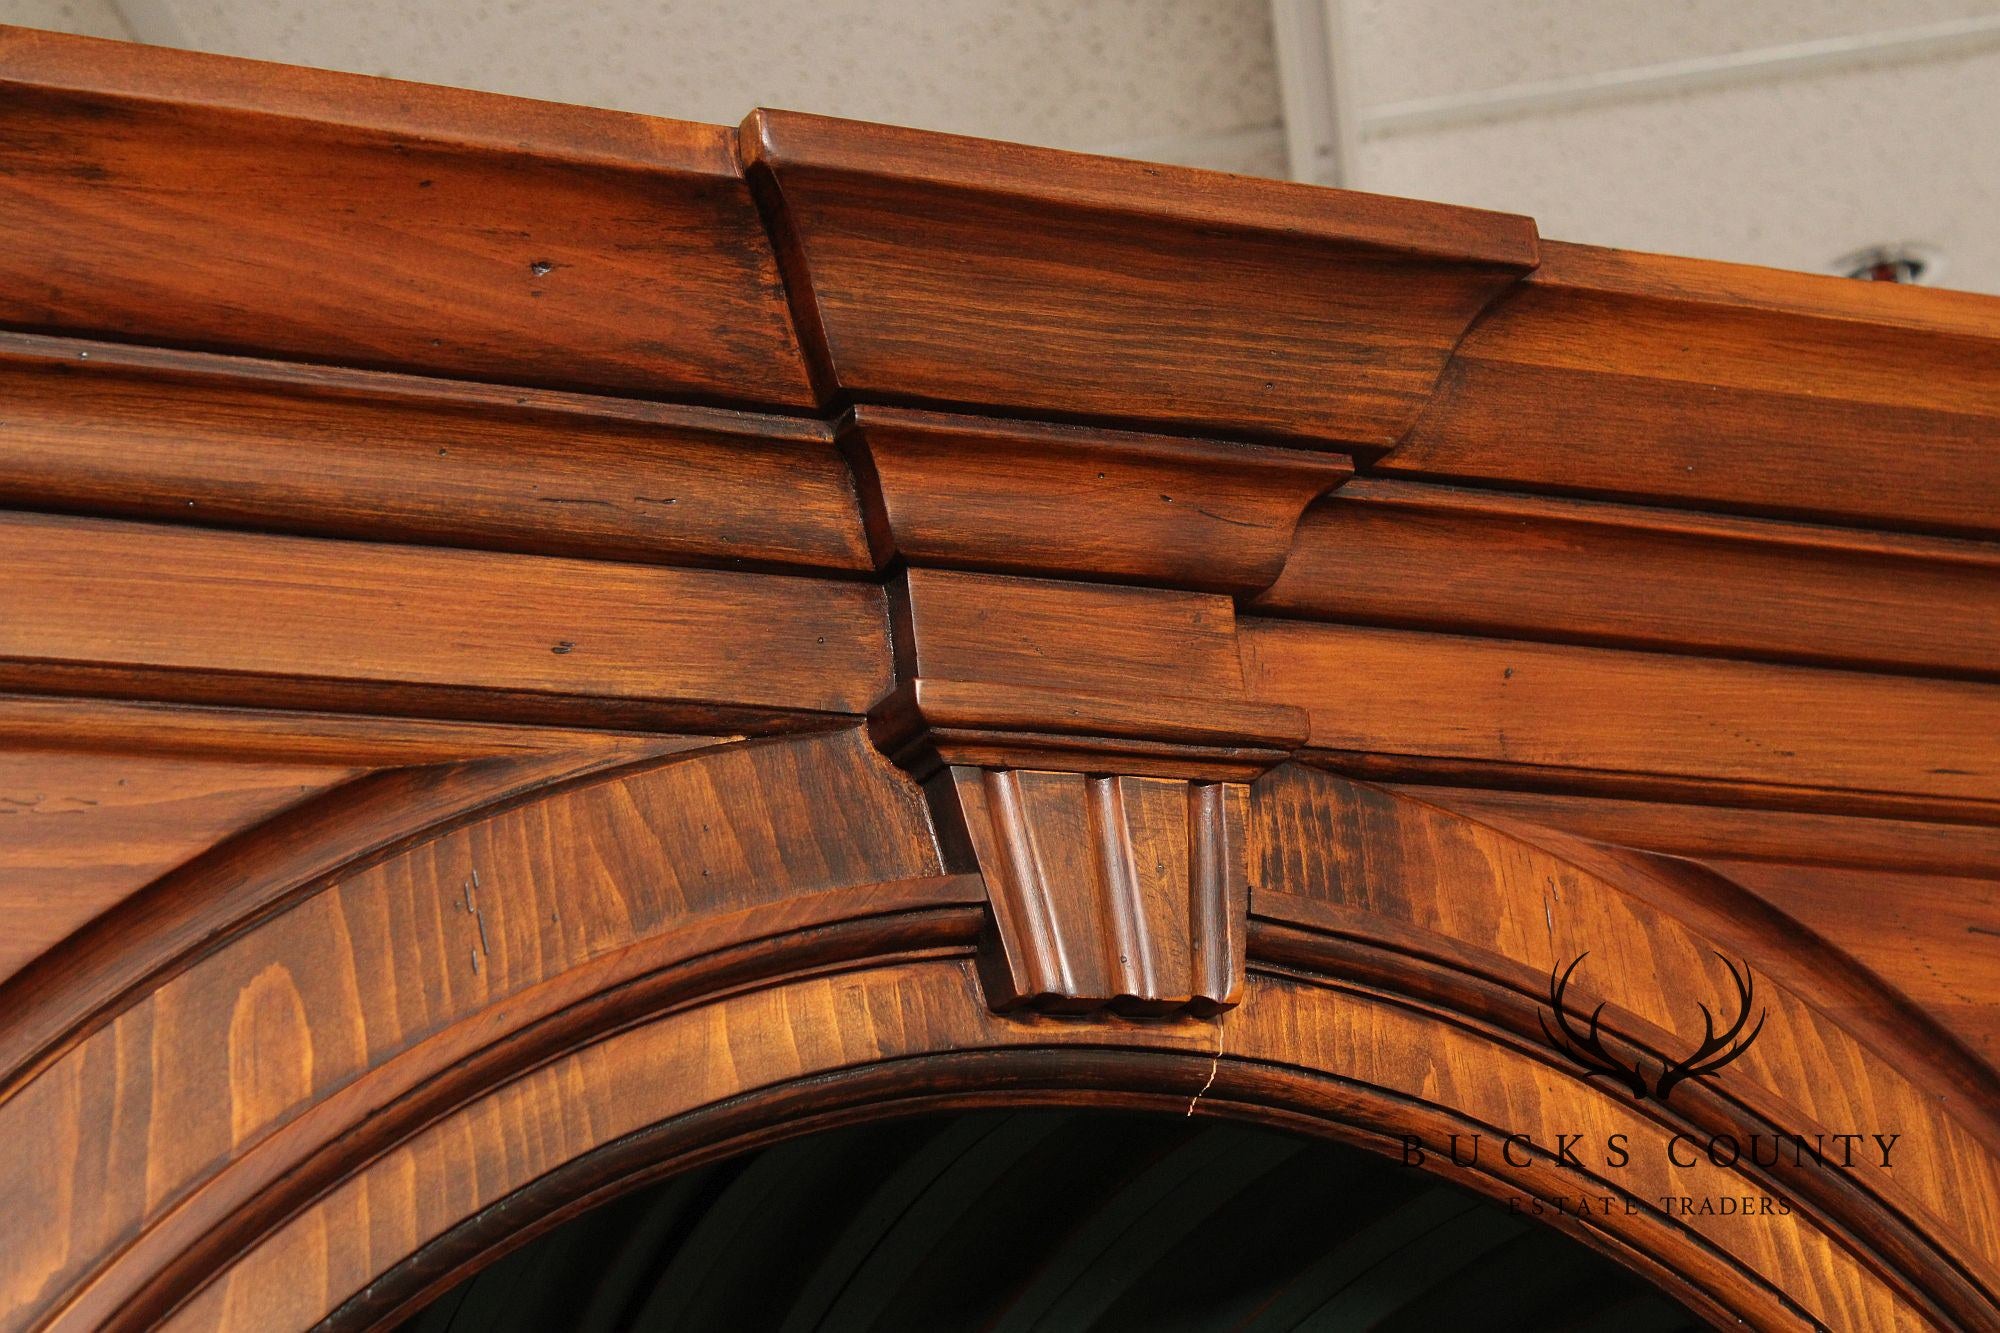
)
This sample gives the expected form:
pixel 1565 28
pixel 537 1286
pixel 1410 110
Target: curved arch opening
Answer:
pixel 620 1114
pixel 1052 1218
pixel 659 999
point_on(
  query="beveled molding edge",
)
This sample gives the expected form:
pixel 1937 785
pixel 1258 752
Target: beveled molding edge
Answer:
pixel 1058 501
pixel 933 919
pixel 933 269
pixel 1292 533
pixel 811 176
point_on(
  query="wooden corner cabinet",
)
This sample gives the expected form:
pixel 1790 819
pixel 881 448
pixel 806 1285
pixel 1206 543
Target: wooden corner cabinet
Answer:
pixel 542 650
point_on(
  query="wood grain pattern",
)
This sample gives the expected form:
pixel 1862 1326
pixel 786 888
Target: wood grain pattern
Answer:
pixel 1911 903
pixel 405 606
pixel 1349 861
pixel 322 993
pixel 1510 566
pixel 1930 936
pixel 1114 672
pixel 931 270
pixel 1068 502
pixel 178 198
pixel 1598 709
pixel 927 723
pixel 1109 892
pixel 97 428
pixel 406 778
pixel 1790 836
pixel 657 1071
pixel 1083 637
pixel 103 800
pixel 294 737
pixel 1718 386
pixel 570 910
pixel 79 832
pixel 169 597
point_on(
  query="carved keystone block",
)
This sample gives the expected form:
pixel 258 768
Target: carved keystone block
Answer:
pixel 1087 747
pixel 1126 893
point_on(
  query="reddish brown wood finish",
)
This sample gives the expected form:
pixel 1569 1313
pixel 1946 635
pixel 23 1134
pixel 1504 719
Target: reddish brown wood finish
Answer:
pixel 458 760
pixel 960 492
pixel 1934 933
pixel 360 612
pixel 942 270
pixel 1713 385
pixel 1577 571
pixel 570 935
pixel 102 428
pixel 85 831
pixel 324 217
pixel 1122 893
pixel 1489 701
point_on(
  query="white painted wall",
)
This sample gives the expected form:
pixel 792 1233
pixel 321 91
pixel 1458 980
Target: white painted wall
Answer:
pixel 92 18
pixel 1792 166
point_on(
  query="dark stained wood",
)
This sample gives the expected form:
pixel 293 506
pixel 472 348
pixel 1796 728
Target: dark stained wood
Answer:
pixel 1109 892
pixel 211 856
pixel 927 722
pixel 1136 642
pixel 1513 566
pixel 293 737
pixel 1789 836
pixel 177 600
pixel 1603 710
pixel 1106 820
pixel 164 196
pixel 94 427
pixel 81 832
pixel 1067 501
pixel 936 270
pixel 1446 901
pixel 1392 1043
pixel 1717 386
pixel 646 1074
pixel 1754 798
pixel 1931 936
pixel 1111 670
pixel 505 699
pixel 369 698
pixel 570 880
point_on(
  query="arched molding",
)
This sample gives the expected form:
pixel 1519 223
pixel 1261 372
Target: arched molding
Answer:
pixel 1361 882
pixel 690 957
pixel 898 1021
pixel 148 936
pixel 1063 526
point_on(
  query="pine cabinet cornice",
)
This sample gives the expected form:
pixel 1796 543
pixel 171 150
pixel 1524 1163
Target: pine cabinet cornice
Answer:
pixel 541 647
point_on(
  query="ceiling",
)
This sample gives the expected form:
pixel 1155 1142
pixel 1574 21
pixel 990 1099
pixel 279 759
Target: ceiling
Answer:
pixel 1782 132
